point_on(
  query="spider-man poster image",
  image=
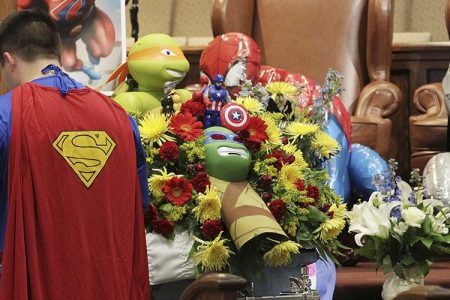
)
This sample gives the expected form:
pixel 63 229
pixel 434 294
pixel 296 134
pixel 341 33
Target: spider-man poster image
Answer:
pixel 92 32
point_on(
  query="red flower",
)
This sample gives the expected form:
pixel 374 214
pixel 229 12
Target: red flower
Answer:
pixel 197 109
pixel 313 192
pixel 277 208
pixel 163 227
pixel 212 228
pixel 200 182
pixel 169 151
pixel 178 190
pixel 266 196
pixel 265 182
pixel 186 126
pixel 151 215
pixel 300 185
pixel 278 164
pixel 255 131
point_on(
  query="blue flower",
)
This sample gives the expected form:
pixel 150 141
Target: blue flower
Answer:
pixel 396 212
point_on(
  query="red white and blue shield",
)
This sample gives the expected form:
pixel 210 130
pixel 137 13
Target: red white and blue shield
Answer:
pixel 234 117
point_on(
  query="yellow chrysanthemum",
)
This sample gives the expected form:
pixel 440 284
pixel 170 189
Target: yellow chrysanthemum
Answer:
pixel 212 256
pixel 273 131
pixel 289 174
pixel 339 210
pixel 176 213
pixel 280 254
pixel 156 182
pixel 299 160
pixel 331 228
pixel 209 205
pixel 281 88
pixel 289 148
pixel 326 144
pixel 298 129
pixel 252 105
pixel 153 128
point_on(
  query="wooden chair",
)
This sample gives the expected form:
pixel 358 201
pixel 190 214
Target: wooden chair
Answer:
pixel 353 37
pixel 428 129
pixel 218 286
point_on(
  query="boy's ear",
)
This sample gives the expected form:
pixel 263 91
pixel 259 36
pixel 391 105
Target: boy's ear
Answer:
pixel 10 60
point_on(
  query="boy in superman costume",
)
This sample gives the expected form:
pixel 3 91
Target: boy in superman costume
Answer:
pixel 73 178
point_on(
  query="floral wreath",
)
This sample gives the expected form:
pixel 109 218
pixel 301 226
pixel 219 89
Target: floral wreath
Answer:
pixel 287 171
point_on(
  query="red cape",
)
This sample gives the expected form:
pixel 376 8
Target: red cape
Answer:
pixel 72 233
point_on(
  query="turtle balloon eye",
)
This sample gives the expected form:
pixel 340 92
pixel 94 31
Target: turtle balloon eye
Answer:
pixel 167 52
pixel 218 136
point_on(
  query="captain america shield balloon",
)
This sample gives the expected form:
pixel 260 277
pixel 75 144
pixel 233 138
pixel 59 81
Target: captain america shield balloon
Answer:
pixel 234 117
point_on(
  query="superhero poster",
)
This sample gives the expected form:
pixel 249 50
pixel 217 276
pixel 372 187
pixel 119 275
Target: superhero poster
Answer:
pixel 93 36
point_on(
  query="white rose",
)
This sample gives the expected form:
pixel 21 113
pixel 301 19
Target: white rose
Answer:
pixel 400 228
pixel 438 225
pixel 413 216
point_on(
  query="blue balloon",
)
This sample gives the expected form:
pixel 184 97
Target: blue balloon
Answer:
pixel 352 169
pixel 338 165
pixel 365 163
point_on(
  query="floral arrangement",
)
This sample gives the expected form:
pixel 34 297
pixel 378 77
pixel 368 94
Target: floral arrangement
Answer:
pixel 288 150
pixel 400 227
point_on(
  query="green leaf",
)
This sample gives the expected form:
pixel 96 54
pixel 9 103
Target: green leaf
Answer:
pixel 408 260
pixel 427 225
pixel 166 207
pixel 441 249
pixel 316 215
pixel 424 267
pixel 427 242
pixel 368 249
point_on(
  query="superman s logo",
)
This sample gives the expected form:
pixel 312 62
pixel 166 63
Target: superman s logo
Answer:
pixel 86 152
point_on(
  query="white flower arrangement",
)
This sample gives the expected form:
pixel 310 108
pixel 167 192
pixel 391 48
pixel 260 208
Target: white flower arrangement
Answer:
pixel 400 227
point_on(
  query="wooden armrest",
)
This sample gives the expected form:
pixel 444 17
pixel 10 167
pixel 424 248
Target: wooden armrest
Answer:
pixel 373 132
pixel 425 292
pixel 219 286
pixel 379 98
pixel 429 101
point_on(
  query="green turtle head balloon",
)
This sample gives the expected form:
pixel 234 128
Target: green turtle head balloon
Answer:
pixel 155 62
pixel 226 158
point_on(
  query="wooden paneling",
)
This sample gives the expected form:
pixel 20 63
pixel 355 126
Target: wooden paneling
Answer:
pixel 6 7
pixel 413 66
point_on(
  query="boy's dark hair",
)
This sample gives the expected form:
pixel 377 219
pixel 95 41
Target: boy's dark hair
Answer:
pixel 30 35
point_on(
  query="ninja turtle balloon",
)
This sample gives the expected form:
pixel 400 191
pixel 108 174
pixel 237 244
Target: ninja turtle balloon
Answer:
pixel 245 213
pixel 226 159
pixel 155 62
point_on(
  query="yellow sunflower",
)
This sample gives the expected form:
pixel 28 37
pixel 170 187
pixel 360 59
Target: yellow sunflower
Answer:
pixel 298 129
pixel 209 205
pixel 326 145
pixel 153 128
pixel 252 105
pixel 156 182
pixel 282 88
pixel 212 256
